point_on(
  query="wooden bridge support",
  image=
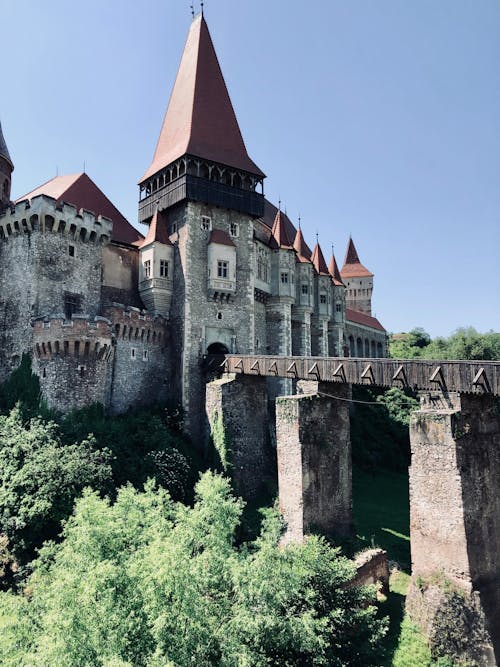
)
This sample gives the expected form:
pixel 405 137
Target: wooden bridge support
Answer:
pixel 455 523
pixel 236 407
pixel 314 462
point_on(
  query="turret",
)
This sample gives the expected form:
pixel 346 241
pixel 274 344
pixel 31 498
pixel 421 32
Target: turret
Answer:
pixel 337 323
pixel 156 268
pixel 358 281
pixel 304 297
pixel 323 303
pixel 6 169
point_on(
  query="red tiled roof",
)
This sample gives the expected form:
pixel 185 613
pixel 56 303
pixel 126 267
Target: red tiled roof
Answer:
pixel 360 318
pixel 352 266
pixel 333 269
pixel 301 248
pixel 200 118
pixel 82 192
pixel 157 231
pixel 221 237
pixel 319 261
pixel 279 233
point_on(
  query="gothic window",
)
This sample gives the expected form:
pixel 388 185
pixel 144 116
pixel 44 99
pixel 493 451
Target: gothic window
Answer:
pixel 72 304
pixel 284 278
pixel 305 289
pixel 163 268
pixel 145 355
pixel 338 307
pixel 234 229
pixel 147 268
pixel 222 269
pixel 206 223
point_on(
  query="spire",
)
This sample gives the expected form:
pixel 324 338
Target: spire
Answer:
pixel 4 151
pixel 279 235
pixel 333 270
pixel 157 231
pixel 301 248
pixel 319 261
pixel 200 118
pixel 352 266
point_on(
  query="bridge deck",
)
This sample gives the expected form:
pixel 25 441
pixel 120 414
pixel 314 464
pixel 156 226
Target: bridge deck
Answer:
pixel 479 377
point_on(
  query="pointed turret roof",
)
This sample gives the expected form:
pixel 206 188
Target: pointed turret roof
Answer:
pixel 157 232
pixel 352 266
pixel 334 272
pixel 4 151
pixel 200 118
pixel 318 261
pixel 279 234
pixel 301 248
pixel 82 192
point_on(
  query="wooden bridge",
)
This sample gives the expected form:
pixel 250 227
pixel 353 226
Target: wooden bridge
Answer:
pixel 470 377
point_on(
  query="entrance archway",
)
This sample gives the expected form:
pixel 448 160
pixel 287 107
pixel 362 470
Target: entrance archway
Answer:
pixel 217 348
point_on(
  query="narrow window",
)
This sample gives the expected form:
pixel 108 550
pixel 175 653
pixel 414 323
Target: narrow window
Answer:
pixel 206 223
pixel 163 268
pixel 173 228
pixel 145 355
pixel 81 371
pixel 71 250
pixel 219 315
pixel 305 289
pixel 322 298
pixel 222 269
pixel 284 278
pixel 234 229
pixel 132 353
pixel 147 268
pixel 338 307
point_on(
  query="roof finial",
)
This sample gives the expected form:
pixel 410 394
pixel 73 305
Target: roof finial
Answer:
pixel 279 204
pixel 299 220
pixel 84 167
pixel 317 237
pixel 202 3
pixel 192 10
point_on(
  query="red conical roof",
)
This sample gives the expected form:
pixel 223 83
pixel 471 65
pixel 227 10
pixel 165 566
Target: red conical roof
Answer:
pixel 334 272
pixel 279 235
pixel 157 232
pixel 200 118
pixel 301 248
pixel 352 266
pixel 319 261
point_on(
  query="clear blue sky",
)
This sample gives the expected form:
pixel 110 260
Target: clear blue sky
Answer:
pixel 380 119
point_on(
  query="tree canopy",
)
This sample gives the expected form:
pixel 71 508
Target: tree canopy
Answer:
pixel 464 343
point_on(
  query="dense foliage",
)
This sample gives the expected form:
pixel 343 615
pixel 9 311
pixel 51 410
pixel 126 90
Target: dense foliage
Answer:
pixel 144 581
pixel 465 343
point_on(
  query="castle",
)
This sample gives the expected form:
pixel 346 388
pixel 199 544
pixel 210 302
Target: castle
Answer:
pixel 111 316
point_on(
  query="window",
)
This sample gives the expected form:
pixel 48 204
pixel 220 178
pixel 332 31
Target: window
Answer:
pixel 145 355
pixel 81 371
pixel 71 250
pixel 147 268
pixel 234 229
pixel 305 289
pixel 222 269
pixel 219 315
pixel 72 304
pixel 206 223
pixel 284 278
pixel 163 268
pixel 338 307
pixel 173 228
pixel 322 298
pixel 132 353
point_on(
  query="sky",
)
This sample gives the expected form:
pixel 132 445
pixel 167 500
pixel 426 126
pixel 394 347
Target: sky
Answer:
pixel 379 119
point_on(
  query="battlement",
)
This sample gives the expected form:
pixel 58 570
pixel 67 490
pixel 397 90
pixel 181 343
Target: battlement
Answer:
pixel 43 214
pixel 80 337
pixel 134 324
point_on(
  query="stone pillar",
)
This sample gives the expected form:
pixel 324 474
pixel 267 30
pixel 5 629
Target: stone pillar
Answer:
pixel 301 347
pixel 455 523
pixel 236 407
pixel 314 462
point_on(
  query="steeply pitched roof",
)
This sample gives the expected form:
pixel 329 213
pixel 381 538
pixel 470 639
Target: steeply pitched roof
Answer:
pixel 301 248
pixel 82 192
pixel 221 237
pixel 319 261
pixel 352 266
pixel 333 269
pixel 200 118
pixel 360 318
pixel 4 151
pixel 157 232
pixel 279 233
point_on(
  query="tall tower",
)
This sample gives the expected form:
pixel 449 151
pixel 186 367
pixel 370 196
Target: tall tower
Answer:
pixel 6 169
pixel 205 188
pixel 358 281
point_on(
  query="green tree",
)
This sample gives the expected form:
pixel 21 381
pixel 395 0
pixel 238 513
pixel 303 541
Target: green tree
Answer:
pixel 146 582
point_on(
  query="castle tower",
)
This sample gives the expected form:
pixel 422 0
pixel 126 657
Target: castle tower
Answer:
pixel 304 299
pixel 156 268
pixel 358 281
pixel 205 187
pixel 322 303
pixel 336 326
pixel 6 169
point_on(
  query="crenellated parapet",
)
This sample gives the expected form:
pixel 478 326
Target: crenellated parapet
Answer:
pixel 43 214
pixel 79 338
pixel 132 324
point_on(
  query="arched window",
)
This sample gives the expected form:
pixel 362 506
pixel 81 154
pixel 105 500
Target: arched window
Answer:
pixel 367 347
pixel 359 347
pixel 379 350
pixel 352 348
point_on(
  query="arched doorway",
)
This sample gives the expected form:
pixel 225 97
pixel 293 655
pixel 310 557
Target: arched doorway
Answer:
pixel 217 348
